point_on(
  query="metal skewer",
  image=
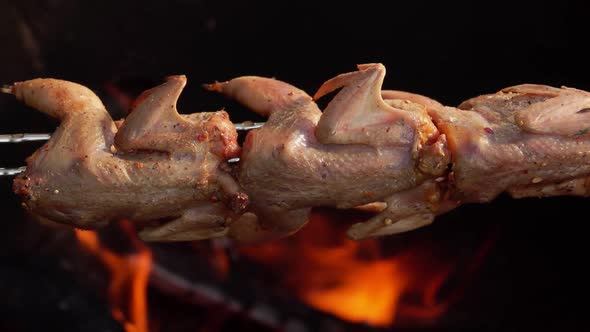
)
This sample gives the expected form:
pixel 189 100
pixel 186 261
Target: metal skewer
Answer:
pixel 19 138
pixel 248 125
pixel 12 171
pixel 28 137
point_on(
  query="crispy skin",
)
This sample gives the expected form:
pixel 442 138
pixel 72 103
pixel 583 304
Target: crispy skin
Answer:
pixel 158 165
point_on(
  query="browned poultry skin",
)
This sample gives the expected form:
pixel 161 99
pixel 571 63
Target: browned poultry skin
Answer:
pixel 529 140
pixel 157 165
pixel 362 149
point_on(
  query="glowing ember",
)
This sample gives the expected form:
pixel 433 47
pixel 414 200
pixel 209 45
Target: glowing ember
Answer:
pixel 129 278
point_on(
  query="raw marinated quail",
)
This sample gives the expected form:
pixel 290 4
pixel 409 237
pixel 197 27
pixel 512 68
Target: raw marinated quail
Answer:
pixel 158 168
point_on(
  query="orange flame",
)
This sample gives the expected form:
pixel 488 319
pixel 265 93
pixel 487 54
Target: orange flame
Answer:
pixel 354 280
pixel 354 289
pixel 129 278
pixel 347 278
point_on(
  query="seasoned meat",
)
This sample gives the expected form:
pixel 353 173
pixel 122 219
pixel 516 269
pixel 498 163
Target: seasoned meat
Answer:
pixel 529 140
pixel 404 153
pixel 159 168
pixel 361 149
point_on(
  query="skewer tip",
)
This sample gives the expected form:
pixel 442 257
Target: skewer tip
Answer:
pixel 6 88
pixel 12 171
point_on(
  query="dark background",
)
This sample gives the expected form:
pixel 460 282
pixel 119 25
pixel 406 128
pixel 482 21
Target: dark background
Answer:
pixel 534 276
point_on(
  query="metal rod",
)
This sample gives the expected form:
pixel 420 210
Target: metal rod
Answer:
pixel 5 89
pixel 18 170
pixel 12 171
pixel 19 138
pixel 248 125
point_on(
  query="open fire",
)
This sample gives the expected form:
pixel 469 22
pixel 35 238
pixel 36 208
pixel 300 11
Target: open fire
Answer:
pixel 362 282
pixel 129 275
pixel 349 279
